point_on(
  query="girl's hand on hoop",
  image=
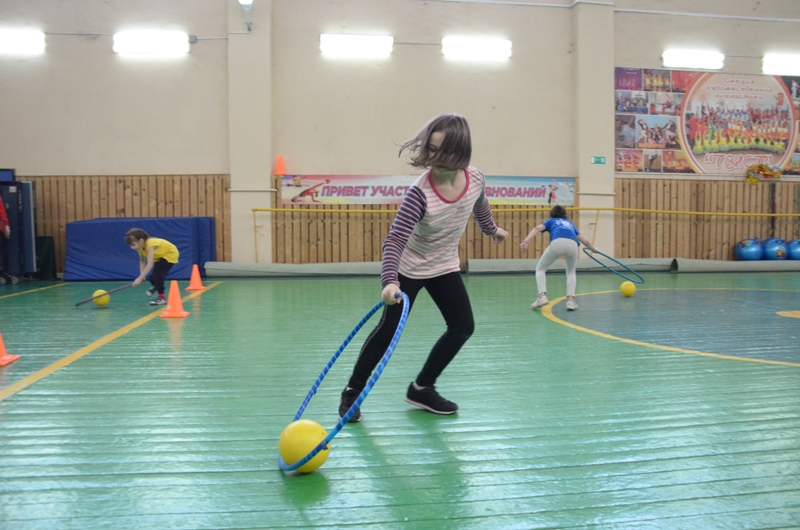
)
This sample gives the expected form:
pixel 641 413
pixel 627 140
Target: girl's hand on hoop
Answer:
pixel 388 294
pixel 500 235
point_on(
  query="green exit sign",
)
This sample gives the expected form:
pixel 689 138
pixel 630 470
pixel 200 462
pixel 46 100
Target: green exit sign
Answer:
pixel 598 160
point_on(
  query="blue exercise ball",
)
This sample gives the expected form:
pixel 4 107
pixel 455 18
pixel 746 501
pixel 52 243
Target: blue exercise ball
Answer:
pixel 793 249
pixel 749 250
pixel 768 240
pixel 774 249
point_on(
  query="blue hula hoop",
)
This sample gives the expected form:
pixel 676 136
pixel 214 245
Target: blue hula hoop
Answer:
pixel 361 397
pixel 591 255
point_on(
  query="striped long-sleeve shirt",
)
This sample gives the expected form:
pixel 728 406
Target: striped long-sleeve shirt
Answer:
pixel 423 240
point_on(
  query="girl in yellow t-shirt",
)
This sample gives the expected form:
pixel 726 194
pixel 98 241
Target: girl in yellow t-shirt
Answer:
pixel 157 255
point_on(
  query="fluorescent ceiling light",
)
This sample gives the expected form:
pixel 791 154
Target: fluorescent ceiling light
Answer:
pixel 781 64
pixel 701 59
pixel 246 2
pixel 151 43
pixel 356 46
pixel 476 49
pixel 21 42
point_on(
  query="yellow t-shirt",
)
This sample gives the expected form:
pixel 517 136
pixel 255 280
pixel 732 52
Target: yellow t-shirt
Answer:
pixel 161 249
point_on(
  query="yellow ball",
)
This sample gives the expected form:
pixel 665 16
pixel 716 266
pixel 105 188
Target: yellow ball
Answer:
pixel 103 300
pixel 627 288
pixel 300 438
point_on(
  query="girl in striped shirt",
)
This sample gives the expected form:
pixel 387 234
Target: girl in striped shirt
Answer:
pixel 421 251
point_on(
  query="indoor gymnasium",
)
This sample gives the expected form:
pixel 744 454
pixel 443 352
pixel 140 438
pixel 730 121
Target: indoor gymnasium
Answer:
pixel 418 264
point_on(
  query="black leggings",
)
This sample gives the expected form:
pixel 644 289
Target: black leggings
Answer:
pixel 159 274
pixel 450 296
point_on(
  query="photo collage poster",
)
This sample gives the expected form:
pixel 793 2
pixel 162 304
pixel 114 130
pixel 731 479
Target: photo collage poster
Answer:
pixel 679 121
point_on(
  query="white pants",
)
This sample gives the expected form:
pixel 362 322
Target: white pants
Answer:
pixel 561 247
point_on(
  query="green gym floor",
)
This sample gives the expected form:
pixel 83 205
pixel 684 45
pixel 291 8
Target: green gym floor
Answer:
pixel 677 408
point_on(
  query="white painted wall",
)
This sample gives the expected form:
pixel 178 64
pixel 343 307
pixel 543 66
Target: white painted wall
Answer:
pixel 238 101
pixel 81 109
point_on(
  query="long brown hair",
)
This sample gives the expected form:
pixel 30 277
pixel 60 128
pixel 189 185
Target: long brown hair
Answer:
pixel 456 149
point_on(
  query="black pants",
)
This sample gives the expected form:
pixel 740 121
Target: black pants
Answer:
pixel 450 296
pixel 159 274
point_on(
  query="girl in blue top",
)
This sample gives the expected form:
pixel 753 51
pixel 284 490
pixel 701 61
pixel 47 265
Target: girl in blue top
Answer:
pixel 564 242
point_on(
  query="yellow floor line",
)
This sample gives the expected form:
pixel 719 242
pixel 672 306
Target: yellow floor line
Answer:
pixel 547 311
pixel 32 290
pixel 61 363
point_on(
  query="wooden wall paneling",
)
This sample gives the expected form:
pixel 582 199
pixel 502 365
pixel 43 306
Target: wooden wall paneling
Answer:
pixel 160 196
pixel 764 207
pixel 64 199
pixel 277 226
pixel 736 206
pixel 148 196
pixel 194 197
pixel 94 186
pixel 671 219
pixel 796 209
pixel 313 223
pixel 698 199
pixel 653 220
pixel 676 221
pixel 334 235
pixel 787 195
pixel 185 201
pixel 713 222
pixel 636 220
pixel 511 245
pixel 215 210
pixel 225 198
pixel 727 222
pixel 726 251
pixel 706 207
pixel 620 218
pixel 38 194
pixel 753 207
pixel 686 226
pixel 291 225
pixel 782 203
pixel 356 232
pixel 105 200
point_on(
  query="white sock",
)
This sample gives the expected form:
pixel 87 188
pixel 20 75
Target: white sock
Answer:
pixel 416 386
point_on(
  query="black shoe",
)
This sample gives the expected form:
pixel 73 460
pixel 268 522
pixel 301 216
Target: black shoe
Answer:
pixel 429 399
pixel 349 396
pixel 150 292
pixel 159 301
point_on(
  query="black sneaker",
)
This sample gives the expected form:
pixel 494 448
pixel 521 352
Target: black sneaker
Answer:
pixel 349 396
pixel 429 399
pixel 150 292
pixel 159 301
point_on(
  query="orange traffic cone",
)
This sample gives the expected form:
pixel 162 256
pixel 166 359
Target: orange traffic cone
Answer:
pixel 5 357
pixel 279 169
pixel 195 284
pixel 174 303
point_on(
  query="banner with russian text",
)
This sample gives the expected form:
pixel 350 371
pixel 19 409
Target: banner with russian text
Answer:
pixel 390 189
pixel 701 122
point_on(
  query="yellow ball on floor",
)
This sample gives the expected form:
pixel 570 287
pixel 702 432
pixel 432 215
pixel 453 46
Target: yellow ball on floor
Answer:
pixel 300 438
pixel 102 300
pixel 627 288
